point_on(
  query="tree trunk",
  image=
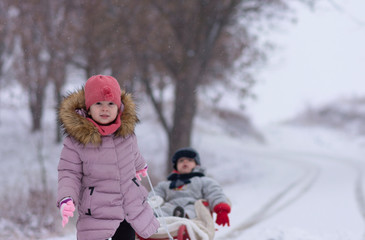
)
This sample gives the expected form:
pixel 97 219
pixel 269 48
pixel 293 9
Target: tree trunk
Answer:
pixel 1 67
pixel 58 102
pixel 36 107
pixel 184 111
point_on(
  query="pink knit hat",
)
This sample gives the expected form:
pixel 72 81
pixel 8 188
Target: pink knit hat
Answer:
pixel 102 88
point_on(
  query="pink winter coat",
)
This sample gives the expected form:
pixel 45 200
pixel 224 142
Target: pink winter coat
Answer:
pixel 98 173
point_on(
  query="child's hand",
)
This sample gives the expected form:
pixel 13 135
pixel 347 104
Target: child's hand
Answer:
pixel 67 210
pixel 155 201
pixel 142 172
pixel 222 210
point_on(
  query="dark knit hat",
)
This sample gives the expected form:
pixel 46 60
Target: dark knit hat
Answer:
pixel 185 152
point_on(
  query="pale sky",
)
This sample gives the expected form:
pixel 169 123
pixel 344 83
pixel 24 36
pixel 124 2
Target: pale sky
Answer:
pixel 320 58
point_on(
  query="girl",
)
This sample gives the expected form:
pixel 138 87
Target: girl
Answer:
pixel 100 164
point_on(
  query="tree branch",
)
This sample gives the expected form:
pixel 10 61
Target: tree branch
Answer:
pixel 157 105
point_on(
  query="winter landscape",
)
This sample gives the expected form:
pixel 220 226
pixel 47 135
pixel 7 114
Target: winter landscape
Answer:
pixel 292 163
pixel 298 182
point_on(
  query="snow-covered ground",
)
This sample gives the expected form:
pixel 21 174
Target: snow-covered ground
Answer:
pixel 301 184
pixel 311 189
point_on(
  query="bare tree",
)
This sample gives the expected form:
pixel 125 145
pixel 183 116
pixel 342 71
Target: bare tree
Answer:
pixel 3 33
pixel 102 44
pixel 60 28
pixel 191 44
pixel 186 44
pixel 6 45
pixel 123 62
pixel 3 18
pixel 32 63
pixel 93 36
pixel 42 30
pixel 37 31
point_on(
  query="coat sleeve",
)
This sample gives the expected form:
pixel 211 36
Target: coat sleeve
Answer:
pixel 213 192
pixel 69 172
pixel 160 190
pixel 140 162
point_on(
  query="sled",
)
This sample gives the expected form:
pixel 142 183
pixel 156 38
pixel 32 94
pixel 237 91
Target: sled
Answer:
pixel 180 234
pixel 200 228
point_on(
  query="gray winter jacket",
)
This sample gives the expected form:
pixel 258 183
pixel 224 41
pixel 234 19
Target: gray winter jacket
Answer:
pixel 98 173
pixel 200 187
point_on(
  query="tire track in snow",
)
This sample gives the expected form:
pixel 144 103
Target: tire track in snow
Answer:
pixel 359 193
pixel 359 179
pixel 283 199
pixel 302 185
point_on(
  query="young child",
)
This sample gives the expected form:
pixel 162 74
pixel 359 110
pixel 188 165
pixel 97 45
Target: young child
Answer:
pixel 186 185
pixel 100 164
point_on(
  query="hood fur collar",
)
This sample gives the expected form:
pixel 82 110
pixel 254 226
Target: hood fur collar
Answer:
pixel 78 127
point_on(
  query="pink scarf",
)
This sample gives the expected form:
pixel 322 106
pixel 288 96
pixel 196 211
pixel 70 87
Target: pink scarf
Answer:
pixel 107 129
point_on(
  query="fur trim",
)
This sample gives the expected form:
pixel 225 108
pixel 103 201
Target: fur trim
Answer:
pixel 83 130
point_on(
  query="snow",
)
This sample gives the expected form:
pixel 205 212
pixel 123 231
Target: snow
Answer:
pixel 317 59
pixel 300 184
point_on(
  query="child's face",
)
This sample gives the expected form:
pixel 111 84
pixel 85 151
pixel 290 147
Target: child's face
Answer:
pixel 103 112
pixel 185 165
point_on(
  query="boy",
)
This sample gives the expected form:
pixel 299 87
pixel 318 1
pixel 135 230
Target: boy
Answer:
pixel 187 184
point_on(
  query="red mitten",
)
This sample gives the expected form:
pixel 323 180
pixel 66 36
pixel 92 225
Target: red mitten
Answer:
pixel 222 210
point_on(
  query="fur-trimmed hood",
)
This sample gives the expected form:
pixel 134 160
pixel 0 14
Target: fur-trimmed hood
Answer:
pixel 77 126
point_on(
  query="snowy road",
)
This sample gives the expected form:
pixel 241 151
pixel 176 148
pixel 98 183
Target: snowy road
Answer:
pixel 316 193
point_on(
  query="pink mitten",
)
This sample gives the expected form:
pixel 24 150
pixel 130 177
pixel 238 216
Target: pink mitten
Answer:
pixel 67 210
pixel 142 172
